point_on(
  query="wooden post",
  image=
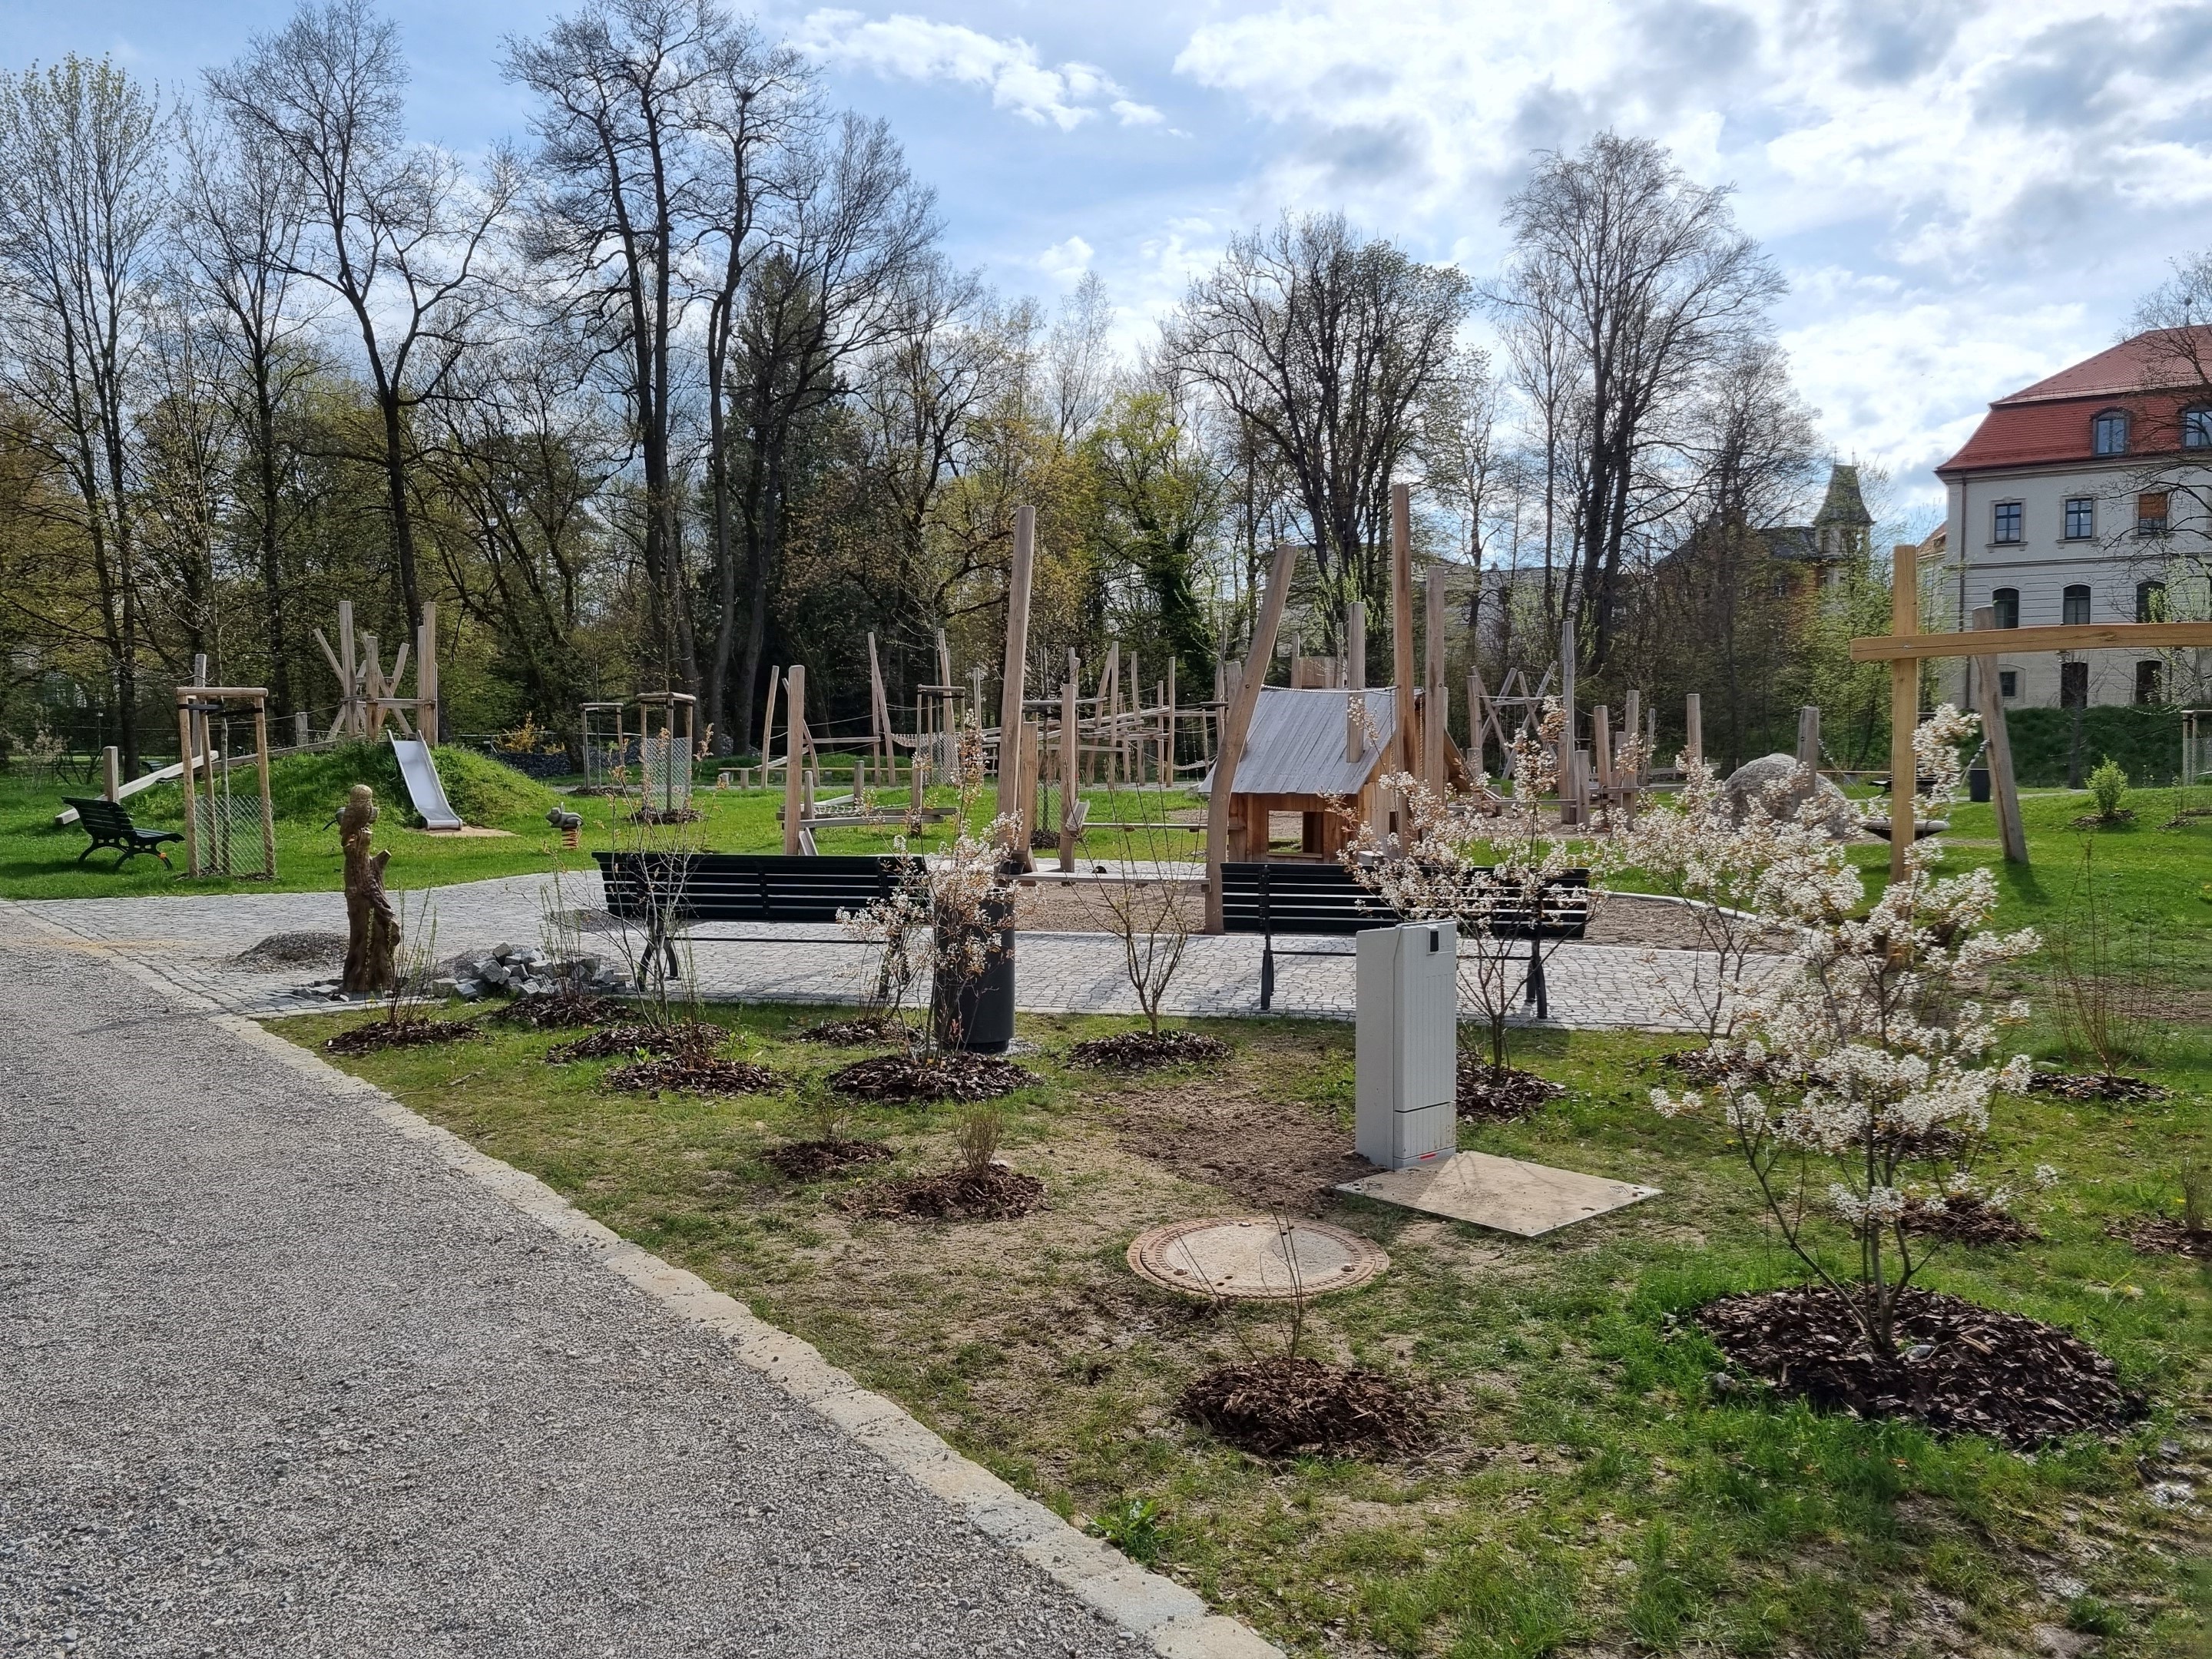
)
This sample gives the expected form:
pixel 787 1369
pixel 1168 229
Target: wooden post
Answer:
pixel 351 721
pixel 1402 624
pixel 1069 770
pixel 1573 808
pixel 2005 790
pixel 1011 689
pixel 1355 664
pixel 1631 728
pixel 767 723
pixel 1904 705
pixel 1602 756
pixel 1239 721
pixel 426 675
pixel 261 766
pixel 794 760
pixel 1808 736
pixel 1031 744
pixel 185 722
pixel 301 736
pixel 110 773
pixel 879 711
pixel 1170 734
pixel 1693 726
pixel 1433 690
pixel 1477 723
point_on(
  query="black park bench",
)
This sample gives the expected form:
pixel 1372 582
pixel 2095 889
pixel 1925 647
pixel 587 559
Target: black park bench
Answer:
pixel 1327 899
pixel 668 893
pixel 109 825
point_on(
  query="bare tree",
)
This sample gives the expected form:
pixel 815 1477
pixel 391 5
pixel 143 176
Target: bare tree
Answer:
pixel 81 204
pixel 1643 280
pixel 1078 361
pixel 1325 348
pixel 399 232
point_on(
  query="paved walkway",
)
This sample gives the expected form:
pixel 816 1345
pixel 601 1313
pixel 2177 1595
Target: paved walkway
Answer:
pixel 276 1379
pixel 194 940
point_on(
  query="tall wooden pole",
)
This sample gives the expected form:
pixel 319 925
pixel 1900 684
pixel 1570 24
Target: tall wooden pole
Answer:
pixel 1070 780
pixel 1355 668
pixel 2004 789
pixel 1904 705
pixel 1693 726
pixel 1808 736
pixel 185 719
pixel 1014 684
pixel 1573 807
pixel 1434 693
pixel 351 722
pixel 794 759
pixel 1402 624
pixel 1239 721
pixel 426 675
pixel 261 766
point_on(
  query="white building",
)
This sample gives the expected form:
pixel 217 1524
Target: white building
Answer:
pixel 2062 509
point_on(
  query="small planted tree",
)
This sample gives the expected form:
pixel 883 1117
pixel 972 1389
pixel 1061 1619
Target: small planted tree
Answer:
pixel 1857 1084
pixel 1147 909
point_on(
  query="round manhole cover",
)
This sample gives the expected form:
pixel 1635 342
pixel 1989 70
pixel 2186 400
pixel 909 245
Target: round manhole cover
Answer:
pixel 1254 1259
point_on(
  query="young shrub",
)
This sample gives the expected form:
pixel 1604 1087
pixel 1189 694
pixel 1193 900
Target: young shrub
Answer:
pixel 2108 784
pixel 1857 1084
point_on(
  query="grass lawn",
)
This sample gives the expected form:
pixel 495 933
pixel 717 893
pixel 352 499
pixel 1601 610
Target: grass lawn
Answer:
pixel 1588 1491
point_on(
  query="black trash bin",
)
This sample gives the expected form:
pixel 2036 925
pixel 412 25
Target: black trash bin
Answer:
pixel 1977 783
pixel 981 1005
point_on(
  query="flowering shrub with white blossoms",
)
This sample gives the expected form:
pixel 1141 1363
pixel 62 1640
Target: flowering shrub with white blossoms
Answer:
pixel 1856 1081
pixel 1479 859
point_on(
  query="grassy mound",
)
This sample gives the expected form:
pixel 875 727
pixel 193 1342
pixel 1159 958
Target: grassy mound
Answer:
pixel 308 788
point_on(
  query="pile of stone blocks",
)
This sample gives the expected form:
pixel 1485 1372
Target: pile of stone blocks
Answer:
pixel 526 970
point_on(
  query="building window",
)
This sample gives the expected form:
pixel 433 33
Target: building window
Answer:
pixel 2005 522
pixel 2150 513
pixel 2008 682
pixel 2081 518
pixel 2150 602
pixel 2006 603
pixel 2150 682
pixel 2196 428
pixel 2109 433
pixel 2073 685
pixel 2074 606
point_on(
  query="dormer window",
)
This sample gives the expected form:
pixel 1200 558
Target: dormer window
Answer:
pixel 2108 433
pixel 2196 428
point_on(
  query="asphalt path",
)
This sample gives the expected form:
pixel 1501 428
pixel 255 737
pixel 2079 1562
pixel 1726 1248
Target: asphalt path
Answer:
pixel 275 1380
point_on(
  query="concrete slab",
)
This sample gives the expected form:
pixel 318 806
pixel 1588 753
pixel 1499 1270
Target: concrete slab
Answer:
pixel 1502 1193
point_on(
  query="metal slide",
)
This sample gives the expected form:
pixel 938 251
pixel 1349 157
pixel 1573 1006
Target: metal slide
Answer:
pixel 419 775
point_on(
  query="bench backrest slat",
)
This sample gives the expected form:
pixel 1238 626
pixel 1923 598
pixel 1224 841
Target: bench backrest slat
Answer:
pixel 1327 899
pixel 744 887
pixel 100 814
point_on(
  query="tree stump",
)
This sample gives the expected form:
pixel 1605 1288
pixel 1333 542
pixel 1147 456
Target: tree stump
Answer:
pixel 372 927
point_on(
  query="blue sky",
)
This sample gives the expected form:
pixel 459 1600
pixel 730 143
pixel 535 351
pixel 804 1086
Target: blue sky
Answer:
pixel 1965 196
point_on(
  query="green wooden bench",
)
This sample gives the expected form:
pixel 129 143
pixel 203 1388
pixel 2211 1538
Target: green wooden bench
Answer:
pixel 109 825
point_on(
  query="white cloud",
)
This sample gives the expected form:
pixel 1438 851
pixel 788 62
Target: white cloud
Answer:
pixel 1066 261
pixel 916 49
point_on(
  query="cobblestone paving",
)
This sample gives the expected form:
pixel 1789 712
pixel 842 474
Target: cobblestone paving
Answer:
pixel 194 941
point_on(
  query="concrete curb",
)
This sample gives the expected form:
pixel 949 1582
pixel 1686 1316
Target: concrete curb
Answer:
pixel 1174 1621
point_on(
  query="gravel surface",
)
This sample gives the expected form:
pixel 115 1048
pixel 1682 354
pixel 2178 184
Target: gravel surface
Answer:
pixel 274 1380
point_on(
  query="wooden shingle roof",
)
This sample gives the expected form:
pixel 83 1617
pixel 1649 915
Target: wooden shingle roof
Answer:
pixel 1297 743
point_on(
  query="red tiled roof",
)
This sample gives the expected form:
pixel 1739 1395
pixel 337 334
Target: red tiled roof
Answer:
pixel 2153 376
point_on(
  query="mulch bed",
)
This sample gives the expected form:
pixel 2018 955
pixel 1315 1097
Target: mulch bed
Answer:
pixel 991 1194
pixel 809 1160
pixel 1287 1405
pixel 865 1032
pixel 413 1033
pixel 1978 1371
pixel 562 1010
pixel 1504 1095
pixel 1969 1221
pixel 665 1040
pixel 2159 1237
pixel 279 952
pixel 665 815
pixel 700 1074
pixel 1140 1051
pixel 2099 821
pixel 2094 1086
pixel 903 1078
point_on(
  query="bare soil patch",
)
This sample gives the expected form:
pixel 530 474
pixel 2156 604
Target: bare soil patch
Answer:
pixel 1661 925
pixel 1503 1093
pixel 1967 1370
pixel 1141 1051
pixel 1967 1220
pixel 2108 1086
pixel 993 1193
pixel 665 815
pixel 863 1031
pixel 691 1038
pixel 2158 1236
pixel 1081 907
pixel 1273 1154
pixel 279 951
pixel 1287 1405
pixel 564 1010
pixel 810 1160
pixel 905 1079
pixel 413 1033
pixel 700 1073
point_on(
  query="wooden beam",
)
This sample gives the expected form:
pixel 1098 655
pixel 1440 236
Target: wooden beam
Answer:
pixel 1239 721
pixel 1070 781
pixel 794 758
pixel 1355 666
pixel 1013 686
pixel 1402 625
pixel 2074 637
pixel 1693 726
pixel 426 675
pixel 2004 788
pixel 1433 692
pixel 1904 704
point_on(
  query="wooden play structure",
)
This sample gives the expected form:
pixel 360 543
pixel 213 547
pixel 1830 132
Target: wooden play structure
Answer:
pixel 223 827
pixel 368 696
pixel 1905 648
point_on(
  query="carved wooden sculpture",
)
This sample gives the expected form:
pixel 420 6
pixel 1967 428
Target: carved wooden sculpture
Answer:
pixel 372 927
